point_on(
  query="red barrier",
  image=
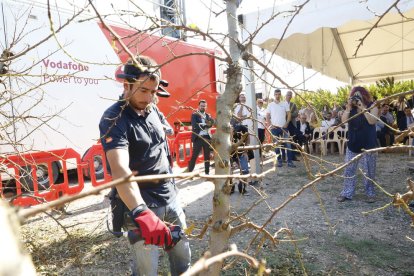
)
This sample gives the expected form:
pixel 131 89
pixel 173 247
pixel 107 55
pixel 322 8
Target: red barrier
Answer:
pixel 89 158
pixel 180 128
pixel 182 143
pixel 183 149
pixel 26 196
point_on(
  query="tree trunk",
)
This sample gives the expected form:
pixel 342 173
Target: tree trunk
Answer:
pixel 220 233
pixel 13 258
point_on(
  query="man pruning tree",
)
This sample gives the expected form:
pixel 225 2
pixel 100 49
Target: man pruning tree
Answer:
pixel 134 141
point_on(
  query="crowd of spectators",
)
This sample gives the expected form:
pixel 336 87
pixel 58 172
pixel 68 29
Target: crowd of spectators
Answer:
pixel 393 116
pixel 284 120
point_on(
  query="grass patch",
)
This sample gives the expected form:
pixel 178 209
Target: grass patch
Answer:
pixel 374 252
pixel 282 261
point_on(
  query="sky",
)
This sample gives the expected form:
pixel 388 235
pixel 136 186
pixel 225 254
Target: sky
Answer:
pixel 291 72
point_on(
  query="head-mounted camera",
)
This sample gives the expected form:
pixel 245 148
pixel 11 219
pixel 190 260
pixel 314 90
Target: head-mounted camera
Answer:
pixel 132 72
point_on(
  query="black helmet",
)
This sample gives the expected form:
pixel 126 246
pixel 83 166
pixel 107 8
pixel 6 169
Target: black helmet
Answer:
pixel 132 72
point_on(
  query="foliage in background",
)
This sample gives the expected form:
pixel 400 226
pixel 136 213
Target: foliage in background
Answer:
pixel 382 88
pixel 322 98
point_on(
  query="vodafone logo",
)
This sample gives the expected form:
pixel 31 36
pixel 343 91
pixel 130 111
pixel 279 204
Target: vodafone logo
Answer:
pixel 65 65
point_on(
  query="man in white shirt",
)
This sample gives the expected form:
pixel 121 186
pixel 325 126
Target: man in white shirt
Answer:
pixel 328 122
pixel 278 118
pixel 242 112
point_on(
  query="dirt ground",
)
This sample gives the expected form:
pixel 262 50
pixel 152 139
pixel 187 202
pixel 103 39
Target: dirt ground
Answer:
pixel 331 238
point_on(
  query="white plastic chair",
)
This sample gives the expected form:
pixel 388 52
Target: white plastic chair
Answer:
pixel 333 138
pixel 317 139
pixel 343 138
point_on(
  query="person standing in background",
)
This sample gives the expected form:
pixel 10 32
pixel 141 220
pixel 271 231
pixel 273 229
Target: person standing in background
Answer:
pixel 398 106
pixel 277 119
pixel 241 110
pixel 261 122
pixel 201 121
pixel 293 131
pixel 293 113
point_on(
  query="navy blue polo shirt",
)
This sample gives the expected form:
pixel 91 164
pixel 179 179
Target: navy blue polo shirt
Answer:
pixel 144 138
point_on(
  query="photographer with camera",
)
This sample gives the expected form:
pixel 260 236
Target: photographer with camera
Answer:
pixel 362 135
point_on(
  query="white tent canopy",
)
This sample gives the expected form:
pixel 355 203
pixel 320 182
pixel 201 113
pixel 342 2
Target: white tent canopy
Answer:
pixel 325 34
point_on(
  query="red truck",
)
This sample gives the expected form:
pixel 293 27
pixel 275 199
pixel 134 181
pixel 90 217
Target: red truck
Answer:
pixel 70 80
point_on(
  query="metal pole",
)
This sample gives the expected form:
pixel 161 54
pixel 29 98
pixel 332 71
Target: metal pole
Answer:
pixel 184 18
pixel 251 102
pixel 303 76
pixel 265 93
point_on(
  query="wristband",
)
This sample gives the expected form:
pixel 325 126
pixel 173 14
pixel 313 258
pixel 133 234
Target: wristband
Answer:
pixel 138 210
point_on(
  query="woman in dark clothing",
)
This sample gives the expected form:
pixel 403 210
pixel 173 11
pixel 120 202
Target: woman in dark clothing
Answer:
pixel 362 135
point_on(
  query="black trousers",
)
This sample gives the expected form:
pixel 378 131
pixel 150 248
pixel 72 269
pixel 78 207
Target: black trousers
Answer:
pixel 261 134
pixel 401 120
pixel 293 132
pixel 381 136
pixel 292 129
pixel 301 139
pixel 199 143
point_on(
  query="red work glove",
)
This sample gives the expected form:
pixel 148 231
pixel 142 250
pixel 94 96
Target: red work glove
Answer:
pixel 153 230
